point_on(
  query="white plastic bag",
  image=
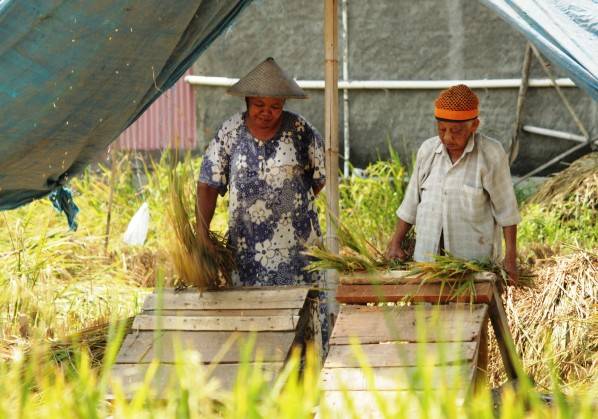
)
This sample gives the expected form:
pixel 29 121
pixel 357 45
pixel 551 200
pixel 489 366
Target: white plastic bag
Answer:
pixel 137 228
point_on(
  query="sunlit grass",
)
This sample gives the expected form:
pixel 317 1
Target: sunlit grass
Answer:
pixel 54 282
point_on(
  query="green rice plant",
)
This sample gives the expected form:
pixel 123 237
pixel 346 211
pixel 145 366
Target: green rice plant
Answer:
pixel 368 200
pixel 54 283
pixel 34 386
pixel 544 226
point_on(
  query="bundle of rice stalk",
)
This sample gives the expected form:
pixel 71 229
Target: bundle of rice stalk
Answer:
pixel 357 254
pixel 451 267
pixel 571 188
pixel 555 325
pixel 204 261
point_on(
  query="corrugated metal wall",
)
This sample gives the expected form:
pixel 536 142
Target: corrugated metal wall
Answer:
pixel 171 117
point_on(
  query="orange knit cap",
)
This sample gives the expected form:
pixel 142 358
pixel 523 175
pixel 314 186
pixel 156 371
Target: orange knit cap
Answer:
pixel 459 103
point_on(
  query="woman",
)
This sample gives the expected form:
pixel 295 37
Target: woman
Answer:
pixel 272 163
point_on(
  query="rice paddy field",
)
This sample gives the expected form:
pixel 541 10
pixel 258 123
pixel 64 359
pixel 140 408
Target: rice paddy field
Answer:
pixel 66 299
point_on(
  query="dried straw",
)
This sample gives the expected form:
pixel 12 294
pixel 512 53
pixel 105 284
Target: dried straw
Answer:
pixel 574 187
pixel 92 339
pixel 555 324
pixel 202 261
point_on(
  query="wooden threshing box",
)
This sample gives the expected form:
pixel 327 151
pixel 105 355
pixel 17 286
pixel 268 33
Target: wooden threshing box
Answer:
pixel 397 319
pixel 279 316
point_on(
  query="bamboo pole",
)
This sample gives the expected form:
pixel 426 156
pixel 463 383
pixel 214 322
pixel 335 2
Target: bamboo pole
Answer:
pixel 346 132
pixel 331 121
pixel 580 126
pixel 331 137
pixel 527 61
pixel 566 102
pixel 113 170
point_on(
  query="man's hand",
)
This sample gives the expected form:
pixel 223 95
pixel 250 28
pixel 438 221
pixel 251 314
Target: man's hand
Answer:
pixel 511 268
pixel 510 233
pixel 395 249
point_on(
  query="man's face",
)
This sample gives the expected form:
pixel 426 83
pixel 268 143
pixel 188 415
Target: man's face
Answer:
pixel 264 112
pixel 454 134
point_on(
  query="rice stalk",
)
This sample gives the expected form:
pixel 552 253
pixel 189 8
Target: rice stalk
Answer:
pixel 357 254
pixel 201 261
pixel 451 267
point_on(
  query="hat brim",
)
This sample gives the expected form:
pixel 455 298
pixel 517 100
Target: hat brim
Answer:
pixel 456 115
pixel 267 80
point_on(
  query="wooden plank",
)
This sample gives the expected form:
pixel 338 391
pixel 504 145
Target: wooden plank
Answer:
pixel 131 376
pixel 504 339
pixel 430 293
pixel 228 323
pixel 444 323
pixel 402 354
pixel 143 347
pixel 222 313
pixel 481 376
pixel 398 378
pixel 233 299
pixel 405 277
pixel 370 405
pixel 195 291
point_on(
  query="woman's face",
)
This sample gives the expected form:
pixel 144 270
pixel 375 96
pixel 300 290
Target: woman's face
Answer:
pixel 264 112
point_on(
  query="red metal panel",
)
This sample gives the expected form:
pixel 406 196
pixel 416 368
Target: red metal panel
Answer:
pixel 171 118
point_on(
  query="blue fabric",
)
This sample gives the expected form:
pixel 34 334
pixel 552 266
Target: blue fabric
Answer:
pixel 62 200
pixel 565 31
pixel 75 74
pixel 272 214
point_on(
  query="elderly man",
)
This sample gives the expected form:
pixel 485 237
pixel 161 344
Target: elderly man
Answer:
pixel 460 194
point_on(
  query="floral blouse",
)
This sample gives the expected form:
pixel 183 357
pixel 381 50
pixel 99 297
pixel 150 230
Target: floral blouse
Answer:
pixel 272 215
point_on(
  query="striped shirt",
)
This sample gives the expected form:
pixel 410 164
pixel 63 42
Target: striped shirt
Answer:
pixel 467 202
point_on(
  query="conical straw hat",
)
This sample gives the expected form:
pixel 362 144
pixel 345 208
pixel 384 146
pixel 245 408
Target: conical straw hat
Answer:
pixel 267 80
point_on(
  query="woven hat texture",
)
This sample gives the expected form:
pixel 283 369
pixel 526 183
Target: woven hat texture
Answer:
pixel 267 80
pixel 458 102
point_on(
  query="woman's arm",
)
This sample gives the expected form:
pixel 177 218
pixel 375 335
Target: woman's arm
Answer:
pixel 317 189
pixel 205 204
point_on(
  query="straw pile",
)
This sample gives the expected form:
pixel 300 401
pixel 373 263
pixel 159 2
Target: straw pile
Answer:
pixel 199 260
pixel 572 188
pixel 555 324
pixel 92 339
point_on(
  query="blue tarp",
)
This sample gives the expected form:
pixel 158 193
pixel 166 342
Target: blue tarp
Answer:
pixel 74 74
pixel 565 31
